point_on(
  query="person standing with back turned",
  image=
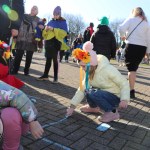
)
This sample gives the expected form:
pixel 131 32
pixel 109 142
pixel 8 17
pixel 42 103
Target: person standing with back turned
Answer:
pixel 88 33
pixel 137 43
pixel 104 40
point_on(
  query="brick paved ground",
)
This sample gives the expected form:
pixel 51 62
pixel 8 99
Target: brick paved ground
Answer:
pixel 131 132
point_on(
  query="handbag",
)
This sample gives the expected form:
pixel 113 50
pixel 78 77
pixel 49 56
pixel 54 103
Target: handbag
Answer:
pixel 123 45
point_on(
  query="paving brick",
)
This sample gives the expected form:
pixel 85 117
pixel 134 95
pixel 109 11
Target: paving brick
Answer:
pixel 136 146
pixel 97 139
pixel 146 142
pixel 60 140
pixel 81 144
pixel 38 144
pixel 26 141
pixel 110 134
pixel 139 133
pixel 130 138
pixel 117 143
pixel 77 135
pixel 97 146
pixel 92 131
pixel 57 131
pixel 72 127
pixel 127 148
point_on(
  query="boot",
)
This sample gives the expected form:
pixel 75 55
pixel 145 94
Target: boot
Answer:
pixel 132 94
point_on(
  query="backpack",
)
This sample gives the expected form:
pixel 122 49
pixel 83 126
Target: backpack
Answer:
pixel 87 35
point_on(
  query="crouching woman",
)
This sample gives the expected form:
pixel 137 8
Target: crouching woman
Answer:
pixel 104 86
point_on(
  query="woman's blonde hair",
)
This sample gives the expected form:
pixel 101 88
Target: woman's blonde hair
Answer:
pixel 35 8
pixel 92 72
pixel 138 11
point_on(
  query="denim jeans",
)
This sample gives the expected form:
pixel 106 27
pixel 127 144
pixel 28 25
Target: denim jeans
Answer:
pixel 103 99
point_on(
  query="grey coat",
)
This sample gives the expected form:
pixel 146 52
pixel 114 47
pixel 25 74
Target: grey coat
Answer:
pixel 25 39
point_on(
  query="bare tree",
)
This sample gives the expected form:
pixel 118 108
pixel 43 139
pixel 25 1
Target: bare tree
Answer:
pixel 48 17
pixel 114 27
pixel 75 25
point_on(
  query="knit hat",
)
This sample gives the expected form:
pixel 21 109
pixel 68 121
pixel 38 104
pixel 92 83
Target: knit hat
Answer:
pixel 57 11
pixel 88 46
pixel 104 21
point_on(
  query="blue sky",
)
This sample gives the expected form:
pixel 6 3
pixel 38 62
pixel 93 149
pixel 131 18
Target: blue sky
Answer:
pixel 90 10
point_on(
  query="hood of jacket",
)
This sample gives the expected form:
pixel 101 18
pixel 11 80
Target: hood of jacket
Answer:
pixel 102 62
pixel 103 29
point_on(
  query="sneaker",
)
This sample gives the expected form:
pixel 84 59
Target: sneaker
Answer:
pixel 13 72
pixel 55 81
pixel 109 116
pixel 42 78
pixel 87 109
pixel 26 73
pixel 132 94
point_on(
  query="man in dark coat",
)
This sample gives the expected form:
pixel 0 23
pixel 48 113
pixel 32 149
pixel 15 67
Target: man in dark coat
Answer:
pixel 88 33
pixel 104 40
pixel 11 15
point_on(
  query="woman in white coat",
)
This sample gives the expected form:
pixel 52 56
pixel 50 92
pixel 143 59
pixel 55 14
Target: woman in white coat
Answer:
pixel 135 31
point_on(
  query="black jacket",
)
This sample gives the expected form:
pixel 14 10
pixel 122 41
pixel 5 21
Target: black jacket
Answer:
pixel 104 41
pixel 77 43
pixel 6 24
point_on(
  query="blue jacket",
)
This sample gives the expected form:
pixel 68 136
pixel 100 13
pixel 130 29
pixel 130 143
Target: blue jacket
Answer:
pixel 61 24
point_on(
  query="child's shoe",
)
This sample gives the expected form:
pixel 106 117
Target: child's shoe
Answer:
pixel 43 78
pixel 109 116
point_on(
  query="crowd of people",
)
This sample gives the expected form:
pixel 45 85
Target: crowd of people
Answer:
pixel 104 87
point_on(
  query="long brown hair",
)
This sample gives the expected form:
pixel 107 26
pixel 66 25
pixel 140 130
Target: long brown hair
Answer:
pixel 92 72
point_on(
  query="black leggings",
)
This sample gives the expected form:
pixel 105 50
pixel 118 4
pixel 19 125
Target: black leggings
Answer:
pixel 61 54
pixel 48 66
pixel 133 56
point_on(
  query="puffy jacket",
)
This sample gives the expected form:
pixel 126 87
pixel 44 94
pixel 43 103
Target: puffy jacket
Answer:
pixel 104 41
pixel 12 97
pixel 106 78
pixel 26 40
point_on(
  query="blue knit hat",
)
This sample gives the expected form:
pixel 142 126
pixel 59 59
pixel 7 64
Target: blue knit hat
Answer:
pixel 104 21
pixel 57 11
